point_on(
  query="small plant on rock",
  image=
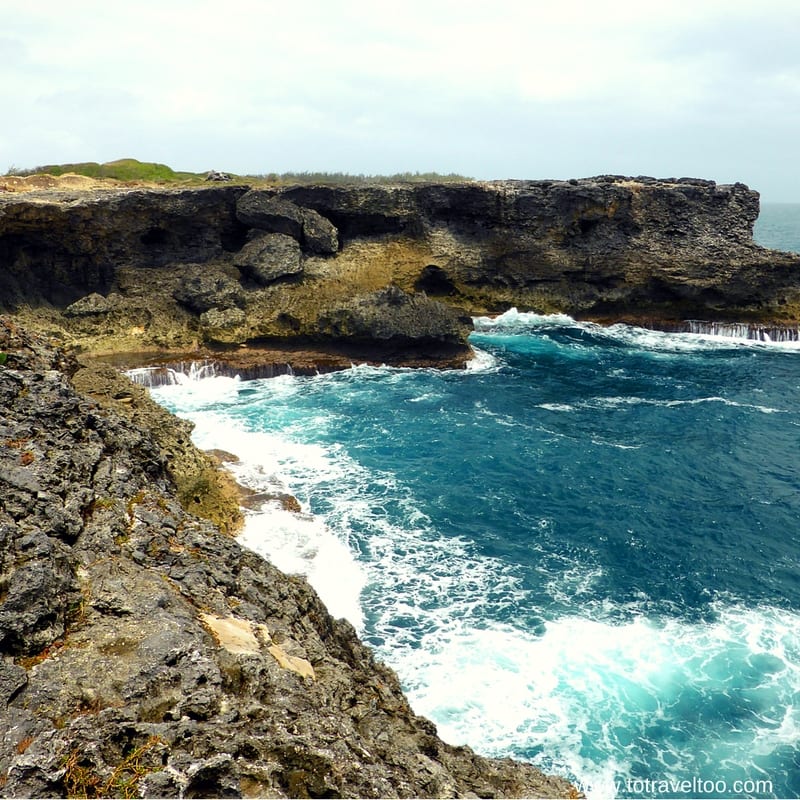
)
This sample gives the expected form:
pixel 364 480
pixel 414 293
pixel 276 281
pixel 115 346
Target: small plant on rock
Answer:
pixel 81 779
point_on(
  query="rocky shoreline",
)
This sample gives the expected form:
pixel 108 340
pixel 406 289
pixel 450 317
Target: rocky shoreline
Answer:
pixel 144 652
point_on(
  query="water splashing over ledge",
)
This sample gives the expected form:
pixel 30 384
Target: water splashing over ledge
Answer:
pixel 181 373
pixel 743 330
pixel 186 372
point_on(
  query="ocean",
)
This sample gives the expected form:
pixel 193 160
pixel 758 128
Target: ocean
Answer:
pixel 582 551
pixel 778 226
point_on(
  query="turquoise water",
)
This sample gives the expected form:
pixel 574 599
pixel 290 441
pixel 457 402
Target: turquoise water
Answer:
pixel 582 551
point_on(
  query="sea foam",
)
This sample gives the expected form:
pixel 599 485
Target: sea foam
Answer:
pixel 603 701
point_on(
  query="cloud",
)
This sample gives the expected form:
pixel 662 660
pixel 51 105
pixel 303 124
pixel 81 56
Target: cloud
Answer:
pixel 528 89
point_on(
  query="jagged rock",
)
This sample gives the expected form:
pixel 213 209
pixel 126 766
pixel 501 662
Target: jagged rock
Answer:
pixel 201 488
pixel 218 177
pixel 12 679
pixel 203 292
pixel 270 257
pixel 92 305
pixel 319 234
pixel 134 691
pixel 222 318
pixel 269 213
pixel 42 596
pixel 394 316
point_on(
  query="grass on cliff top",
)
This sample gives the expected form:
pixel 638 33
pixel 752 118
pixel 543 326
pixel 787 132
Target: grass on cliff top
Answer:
pixel 125 169
pixel 130 170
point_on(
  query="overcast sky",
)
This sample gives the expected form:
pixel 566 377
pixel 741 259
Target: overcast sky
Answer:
pixel 501 89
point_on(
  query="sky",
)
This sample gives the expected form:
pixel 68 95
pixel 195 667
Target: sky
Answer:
pixel 501 89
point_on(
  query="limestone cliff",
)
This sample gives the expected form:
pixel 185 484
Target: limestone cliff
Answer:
pixel 600 246
pixel 387 273
pixel 144 653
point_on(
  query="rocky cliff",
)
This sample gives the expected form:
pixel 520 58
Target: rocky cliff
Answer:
pixel 607 245
pixel 144 653
pixel 387 273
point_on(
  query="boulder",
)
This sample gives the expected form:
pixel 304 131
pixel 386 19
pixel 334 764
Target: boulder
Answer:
pixel 269 213
pixel 269 258
pixel 392 316
pixel 199 293
pixel 264 211
pixel 92 305
pixel 319 234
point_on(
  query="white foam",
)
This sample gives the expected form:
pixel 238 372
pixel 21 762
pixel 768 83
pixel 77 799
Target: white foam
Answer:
pixel 503 691
pixel 521 319
pixel 618 445
pixel 631 400
pixel 514 321
pixel 681 342
pixel 556 406
pixel 193 393
pixel 482 361
pixel 296 543
pixel 302 544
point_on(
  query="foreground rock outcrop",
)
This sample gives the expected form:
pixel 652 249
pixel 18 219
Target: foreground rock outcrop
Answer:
pixel 144 653
pixel 211 271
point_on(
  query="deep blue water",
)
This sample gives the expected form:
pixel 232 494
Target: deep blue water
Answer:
pixel 583 551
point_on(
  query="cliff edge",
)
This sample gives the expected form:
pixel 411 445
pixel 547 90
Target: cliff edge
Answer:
pixel 386 273
pixel 144 653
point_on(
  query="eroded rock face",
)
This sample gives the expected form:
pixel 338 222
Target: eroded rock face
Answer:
pixel 201 292
pixel 143 651
pixel 393 318
pixel 597 245
pixel 137 270
pixel 60 246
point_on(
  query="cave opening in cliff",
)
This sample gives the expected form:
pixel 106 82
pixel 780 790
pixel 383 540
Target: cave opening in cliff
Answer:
pixel 154 237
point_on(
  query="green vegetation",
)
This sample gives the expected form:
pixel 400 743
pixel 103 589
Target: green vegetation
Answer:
pixel 335 178
pixel 131 170
pixel 125 169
